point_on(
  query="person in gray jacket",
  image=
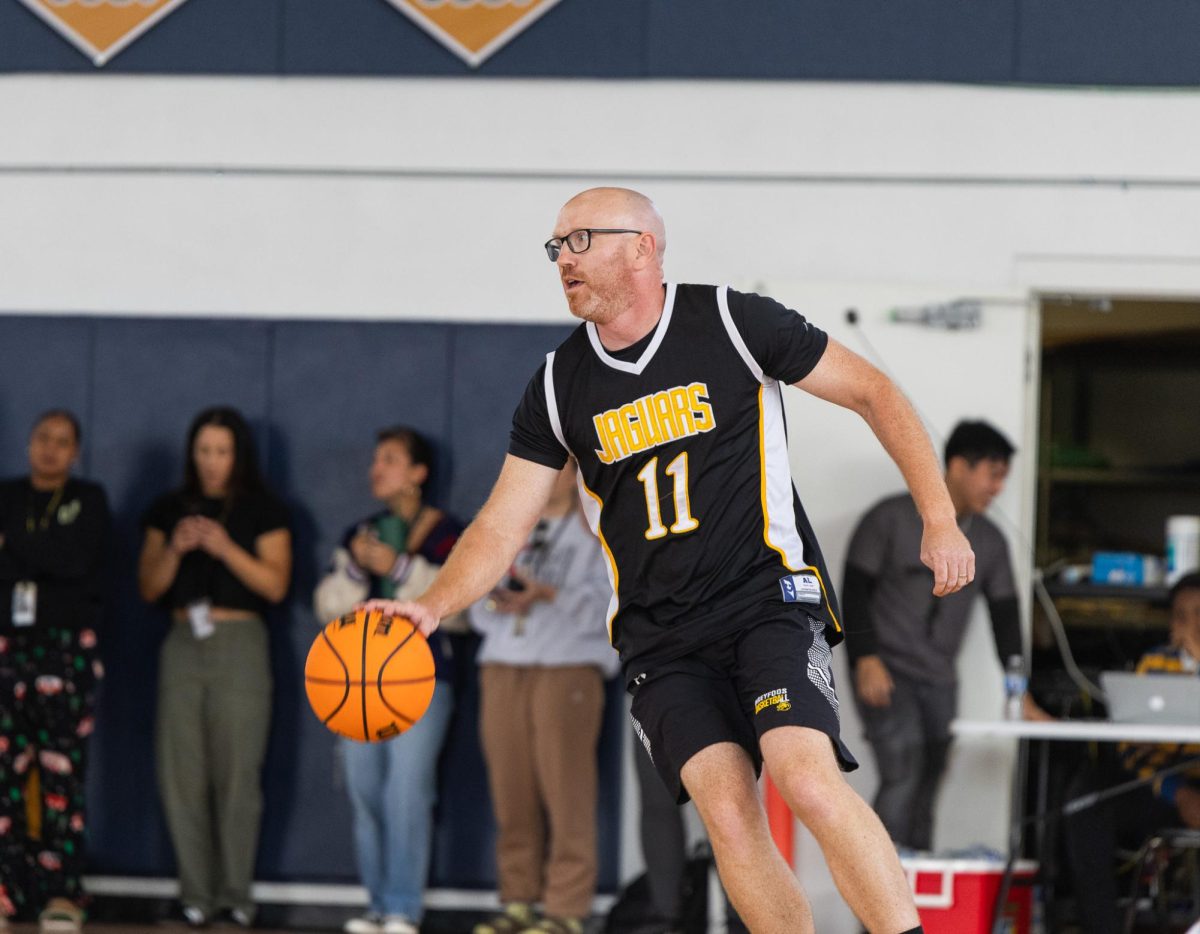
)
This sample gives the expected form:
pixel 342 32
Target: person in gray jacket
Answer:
pixel 904 642
pixel 543 662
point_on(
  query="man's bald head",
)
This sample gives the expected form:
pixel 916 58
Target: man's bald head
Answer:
pixel 618 207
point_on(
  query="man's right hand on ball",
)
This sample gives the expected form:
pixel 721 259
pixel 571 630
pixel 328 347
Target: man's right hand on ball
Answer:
pixel 419 615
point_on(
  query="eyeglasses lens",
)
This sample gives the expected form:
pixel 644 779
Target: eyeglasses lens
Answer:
pixel 579 240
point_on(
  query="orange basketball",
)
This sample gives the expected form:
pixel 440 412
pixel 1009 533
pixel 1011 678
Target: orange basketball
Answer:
pixel 368 676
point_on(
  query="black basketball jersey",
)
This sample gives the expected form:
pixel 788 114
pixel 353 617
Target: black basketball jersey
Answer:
pixel 684 470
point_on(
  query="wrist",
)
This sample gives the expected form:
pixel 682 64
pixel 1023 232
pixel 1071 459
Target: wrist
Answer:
pixel 940 518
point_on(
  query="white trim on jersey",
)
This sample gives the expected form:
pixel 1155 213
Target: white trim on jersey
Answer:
pixel 779 523
pixel 735 336
pixel 592 506
pixel 779 510
pixel 660 332
pixel 587 499
pixel 552 401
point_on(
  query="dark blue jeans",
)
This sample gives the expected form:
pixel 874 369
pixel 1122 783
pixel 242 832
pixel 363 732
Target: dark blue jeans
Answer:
pixel 911 742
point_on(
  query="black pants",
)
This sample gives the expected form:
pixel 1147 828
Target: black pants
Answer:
pixel 1092 836
pixel 911 741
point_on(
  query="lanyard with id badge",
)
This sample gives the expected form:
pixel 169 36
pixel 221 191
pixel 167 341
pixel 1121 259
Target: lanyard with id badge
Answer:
pixel 24 593
pixel 199 612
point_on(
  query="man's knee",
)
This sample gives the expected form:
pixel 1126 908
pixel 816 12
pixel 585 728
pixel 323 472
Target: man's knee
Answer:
pixel 721 782
pixel 813 786
pixel 731 821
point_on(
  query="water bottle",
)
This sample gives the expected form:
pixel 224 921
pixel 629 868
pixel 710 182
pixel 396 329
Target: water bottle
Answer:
pixel 1015 683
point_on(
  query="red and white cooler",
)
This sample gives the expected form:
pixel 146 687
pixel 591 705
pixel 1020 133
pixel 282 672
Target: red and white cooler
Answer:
pixel 956 896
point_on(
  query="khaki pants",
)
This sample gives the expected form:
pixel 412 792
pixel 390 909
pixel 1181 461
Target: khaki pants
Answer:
pixel 214 711
pixel 539 729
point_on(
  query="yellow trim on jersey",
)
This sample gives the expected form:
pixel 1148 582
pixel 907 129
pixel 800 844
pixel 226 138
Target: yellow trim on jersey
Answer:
pixel 612 562
pixel 762 480
pixel 762 473
pixel 828 606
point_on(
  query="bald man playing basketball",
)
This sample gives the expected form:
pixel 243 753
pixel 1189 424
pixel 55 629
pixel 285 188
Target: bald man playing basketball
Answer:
pixel 669 397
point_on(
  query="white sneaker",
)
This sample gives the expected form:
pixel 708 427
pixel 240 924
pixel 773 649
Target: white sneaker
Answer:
pixel 398 924
pixel 370 923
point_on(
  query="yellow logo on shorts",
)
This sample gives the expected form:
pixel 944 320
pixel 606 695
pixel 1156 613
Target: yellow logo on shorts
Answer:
pixel 101 28
pixel 473 29
pixel 777 699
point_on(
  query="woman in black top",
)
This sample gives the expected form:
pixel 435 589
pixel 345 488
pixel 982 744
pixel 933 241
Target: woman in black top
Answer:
pixel 53 531
pixel 216 553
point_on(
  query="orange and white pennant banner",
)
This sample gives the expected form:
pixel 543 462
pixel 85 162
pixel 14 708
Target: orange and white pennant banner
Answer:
pixel 473 29
pixel 102 28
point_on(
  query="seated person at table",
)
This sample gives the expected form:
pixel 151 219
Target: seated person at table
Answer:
pixel 1093 834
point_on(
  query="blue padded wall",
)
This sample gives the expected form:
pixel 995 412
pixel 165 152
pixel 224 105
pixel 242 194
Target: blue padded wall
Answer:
pixel 315 393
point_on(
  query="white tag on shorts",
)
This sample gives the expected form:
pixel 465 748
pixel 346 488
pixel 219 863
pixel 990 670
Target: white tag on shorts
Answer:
pixel 24 603
pixel 801 588
pixel 200 616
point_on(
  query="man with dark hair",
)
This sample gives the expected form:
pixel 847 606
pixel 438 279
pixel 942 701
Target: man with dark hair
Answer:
pixel 903 643
pixel 979 441
pixel 1169 795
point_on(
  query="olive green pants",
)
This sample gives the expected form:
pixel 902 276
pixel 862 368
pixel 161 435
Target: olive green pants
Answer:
pixel 214 711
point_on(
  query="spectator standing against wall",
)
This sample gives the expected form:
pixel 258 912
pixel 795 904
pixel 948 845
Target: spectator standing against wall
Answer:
pixel 904 642
pixel 394 553
pixel 217 553
pixel 53 539
pixel 543 663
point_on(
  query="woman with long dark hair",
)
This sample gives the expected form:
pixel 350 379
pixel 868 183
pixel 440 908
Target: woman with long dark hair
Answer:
pixel 216 553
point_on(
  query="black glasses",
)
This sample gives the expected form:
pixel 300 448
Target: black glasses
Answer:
pixel 579 241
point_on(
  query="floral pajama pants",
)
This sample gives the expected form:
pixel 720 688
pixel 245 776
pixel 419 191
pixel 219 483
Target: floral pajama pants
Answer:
pixel 47 689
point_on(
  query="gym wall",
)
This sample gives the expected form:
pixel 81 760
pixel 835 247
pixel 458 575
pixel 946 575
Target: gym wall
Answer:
pixel 315 393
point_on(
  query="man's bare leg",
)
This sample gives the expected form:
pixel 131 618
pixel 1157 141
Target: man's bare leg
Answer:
pixel 860 855
pixel 762 887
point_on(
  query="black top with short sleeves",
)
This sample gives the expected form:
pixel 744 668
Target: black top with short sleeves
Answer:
pixel 245 516
pixel 58 540
pixel 683 457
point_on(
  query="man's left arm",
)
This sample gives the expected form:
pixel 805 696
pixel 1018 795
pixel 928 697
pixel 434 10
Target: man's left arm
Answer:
pixel 846 379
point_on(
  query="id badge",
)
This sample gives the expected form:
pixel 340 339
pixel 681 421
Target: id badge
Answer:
pixel 24 603
pixel 801 588
pixel 200 616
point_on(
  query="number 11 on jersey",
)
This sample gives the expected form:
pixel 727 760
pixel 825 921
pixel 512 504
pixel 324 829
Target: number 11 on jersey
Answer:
pixel 684 520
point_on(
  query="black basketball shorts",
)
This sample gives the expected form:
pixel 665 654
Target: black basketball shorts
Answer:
pixel 774 673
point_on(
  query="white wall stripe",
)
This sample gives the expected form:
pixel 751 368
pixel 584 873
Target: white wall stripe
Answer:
pixel 307 893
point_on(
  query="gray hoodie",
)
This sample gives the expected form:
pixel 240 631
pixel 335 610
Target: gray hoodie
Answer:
pixel 571 630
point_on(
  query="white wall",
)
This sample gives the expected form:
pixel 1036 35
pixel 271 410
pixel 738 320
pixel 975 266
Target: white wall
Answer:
pixel 429 199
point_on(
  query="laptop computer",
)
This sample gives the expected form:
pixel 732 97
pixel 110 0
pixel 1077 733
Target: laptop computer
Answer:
pixel 1152 698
